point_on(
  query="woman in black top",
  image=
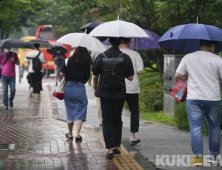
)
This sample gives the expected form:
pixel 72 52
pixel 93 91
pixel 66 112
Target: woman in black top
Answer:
pixel 76 73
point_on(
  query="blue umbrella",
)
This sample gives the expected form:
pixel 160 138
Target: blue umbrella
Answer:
pixel 187 37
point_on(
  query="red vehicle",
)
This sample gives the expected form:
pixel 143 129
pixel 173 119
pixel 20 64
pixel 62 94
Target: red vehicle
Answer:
pixel 45 32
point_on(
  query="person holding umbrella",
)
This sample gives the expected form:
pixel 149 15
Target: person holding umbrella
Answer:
pixel 133 89
pixel 76 73
pixel 8 60
pixel 203 70
pixel 111 68
pixel 58 56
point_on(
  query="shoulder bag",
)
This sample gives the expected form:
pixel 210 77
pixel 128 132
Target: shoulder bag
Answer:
pixel 59 91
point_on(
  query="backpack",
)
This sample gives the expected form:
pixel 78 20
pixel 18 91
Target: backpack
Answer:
pixel 36 63
pixel 113 72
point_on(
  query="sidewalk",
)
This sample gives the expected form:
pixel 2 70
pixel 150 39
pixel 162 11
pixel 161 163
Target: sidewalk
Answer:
pixel 37 140
pixel 37 129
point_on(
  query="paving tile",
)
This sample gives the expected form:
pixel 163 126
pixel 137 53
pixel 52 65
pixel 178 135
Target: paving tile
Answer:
pixel 31 127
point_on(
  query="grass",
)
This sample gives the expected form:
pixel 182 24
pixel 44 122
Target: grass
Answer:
pixel 159 117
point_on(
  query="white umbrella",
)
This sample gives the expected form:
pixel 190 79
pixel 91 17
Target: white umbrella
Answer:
pixel 83 40
pixel 118 29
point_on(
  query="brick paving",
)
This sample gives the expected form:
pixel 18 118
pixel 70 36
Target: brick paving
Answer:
pixel 39 139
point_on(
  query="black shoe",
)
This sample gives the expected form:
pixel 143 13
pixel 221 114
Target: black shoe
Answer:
pixel 67 135
pixel 100 124
pixel 11 103
pixel 133 143
pixel 116 151
pixel 109 156
pixel 5 107
pixel 78 139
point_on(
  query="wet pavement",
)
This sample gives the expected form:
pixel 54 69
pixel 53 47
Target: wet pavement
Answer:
pixel 37 134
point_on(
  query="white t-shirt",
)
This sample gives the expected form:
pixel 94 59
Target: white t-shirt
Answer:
pixel 204 71
pixel 134 85
pixel 33 54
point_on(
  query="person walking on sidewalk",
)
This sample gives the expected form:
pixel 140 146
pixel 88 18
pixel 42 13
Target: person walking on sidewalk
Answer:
pixel 133 89
pixel 112 67
pixel 8 60
pixel 34 58
pixel 58 57
pixel 203 71
pixel 76 73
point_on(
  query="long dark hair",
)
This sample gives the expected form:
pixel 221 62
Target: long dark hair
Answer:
pixel 81 58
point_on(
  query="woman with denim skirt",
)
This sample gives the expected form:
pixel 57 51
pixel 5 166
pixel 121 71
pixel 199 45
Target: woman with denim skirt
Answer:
pixel 76 73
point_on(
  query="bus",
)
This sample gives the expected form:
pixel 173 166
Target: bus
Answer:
pixel 23 52
pixel 45 32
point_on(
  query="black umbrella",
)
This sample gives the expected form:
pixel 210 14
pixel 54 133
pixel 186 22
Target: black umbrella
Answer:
pixel 90 26
pixel 57 47
pixel 43 43
pixel 14 43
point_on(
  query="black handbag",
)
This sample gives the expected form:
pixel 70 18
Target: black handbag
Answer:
pixel 2 67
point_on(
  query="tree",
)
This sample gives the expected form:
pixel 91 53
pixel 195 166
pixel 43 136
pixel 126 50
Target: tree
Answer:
pixel 12 14
pixel 57 12
pixel 154 15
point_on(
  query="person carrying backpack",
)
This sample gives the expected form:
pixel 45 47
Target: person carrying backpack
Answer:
pixel 112 67
pixel 35 59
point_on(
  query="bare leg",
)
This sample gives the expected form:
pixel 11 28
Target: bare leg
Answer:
pixel 78 127
pixel 70 127
pixel 110 150
pixel 133 136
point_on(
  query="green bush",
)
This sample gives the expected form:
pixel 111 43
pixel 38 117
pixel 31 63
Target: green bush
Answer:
pixel 148 78
pixel 151 98
pixel 182 118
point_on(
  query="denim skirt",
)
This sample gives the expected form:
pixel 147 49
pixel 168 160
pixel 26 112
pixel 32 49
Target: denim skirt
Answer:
pixel 75 101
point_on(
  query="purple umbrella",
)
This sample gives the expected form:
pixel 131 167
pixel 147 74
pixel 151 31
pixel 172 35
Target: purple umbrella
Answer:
pixel 145 43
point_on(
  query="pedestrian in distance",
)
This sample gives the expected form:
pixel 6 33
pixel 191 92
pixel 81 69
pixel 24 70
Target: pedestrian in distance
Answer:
pixel 133 89
pixel 76 73
pixel 58 56
pixel 8 60
pixel 203 71
pixel 111 68
pixel 35 59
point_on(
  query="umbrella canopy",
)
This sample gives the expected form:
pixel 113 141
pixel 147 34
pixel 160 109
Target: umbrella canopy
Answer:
pixel 57 47
pixel 90 26
pixel 143 43
pixel 83 40
pixel 118 29
pixel 43 43
pixel 187 37
pixel 14 43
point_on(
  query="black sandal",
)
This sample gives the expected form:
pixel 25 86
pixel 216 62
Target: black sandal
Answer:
pixel 109 155
pixel 67 135
pixel 78 139
pixel 133 143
